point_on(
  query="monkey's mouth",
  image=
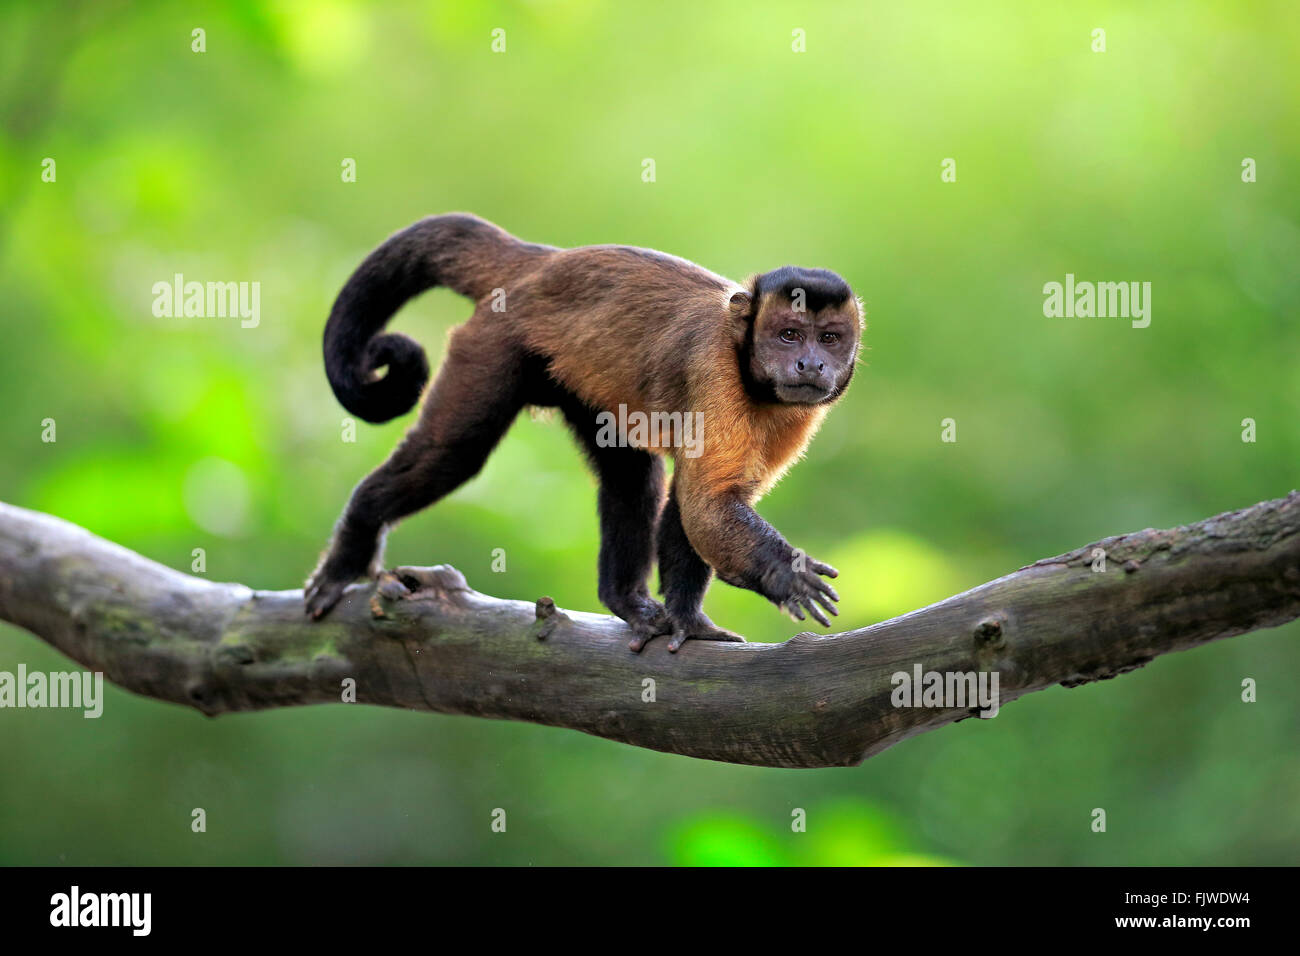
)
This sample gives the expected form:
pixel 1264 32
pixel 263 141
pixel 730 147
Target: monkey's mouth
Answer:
pixel 802 393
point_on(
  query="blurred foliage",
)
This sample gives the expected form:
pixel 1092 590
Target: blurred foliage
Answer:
pixel 176 434
pixel 841 834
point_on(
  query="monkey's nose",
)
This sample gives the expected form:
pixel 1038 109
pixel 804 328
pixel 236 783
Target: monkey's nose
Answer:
pixel 802 366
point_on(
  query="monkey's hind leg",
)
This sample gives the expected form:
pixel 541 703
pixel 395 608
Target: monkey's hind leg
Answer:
pixel 631 494
pixel 470 406
pixel 684 578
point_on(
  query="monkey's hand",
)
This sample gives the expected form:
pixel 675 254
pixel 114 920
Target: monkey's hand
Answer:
pixel 644 615
pixel 696 628
pixel 795 591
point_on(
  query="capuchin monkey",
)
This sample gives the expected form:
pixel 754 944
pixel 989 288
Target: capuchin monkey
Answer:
pixel 602 333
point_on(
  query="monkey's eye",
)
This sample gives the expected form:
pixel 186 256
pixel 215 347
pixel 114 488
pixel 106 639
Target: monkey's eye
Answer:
pixel 830 338
pixel 790 335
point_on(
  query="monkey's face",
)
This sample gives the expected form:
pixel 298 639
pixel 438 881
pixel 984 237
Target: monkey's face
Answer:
pixel 804 338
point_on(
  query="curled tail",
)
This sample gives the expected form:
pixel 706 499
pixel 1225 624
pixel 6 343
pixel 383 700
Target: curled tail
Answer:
pixel 459 251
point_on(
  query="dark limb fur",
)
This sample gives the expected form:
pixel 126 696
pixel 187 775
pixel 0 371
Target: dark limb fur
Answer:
pixel 471 405
pixel 630 497
pixel 684 579
pixel 747 552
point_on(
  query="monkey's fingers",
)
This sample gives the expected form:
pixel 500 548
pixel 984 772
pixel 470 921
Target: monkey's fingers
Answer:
pixel 817 586
pixel 711 634
pixel 825 589
pixel 828 604
pixel 822 568
pixel 644 632
pixel 816 612
pixel 817 597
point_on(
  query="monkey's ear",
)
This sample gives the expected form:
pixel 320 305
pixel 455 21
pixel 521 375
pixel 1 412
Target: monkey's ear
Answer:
pixel 739 309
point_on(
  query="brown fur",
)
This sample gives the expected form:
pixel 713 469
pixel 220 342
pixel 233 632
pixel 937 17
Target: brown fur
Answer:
pixel 590 329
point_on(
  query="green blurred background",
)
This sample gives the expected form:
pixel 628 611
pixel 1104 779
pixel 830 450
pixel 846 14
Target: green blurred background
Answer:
pixel 175 434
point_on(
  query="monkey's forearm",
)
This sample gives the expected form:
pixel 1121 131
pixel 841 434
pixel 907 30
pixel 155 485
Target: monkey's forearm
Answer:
pixel 743 549
pixel 747 552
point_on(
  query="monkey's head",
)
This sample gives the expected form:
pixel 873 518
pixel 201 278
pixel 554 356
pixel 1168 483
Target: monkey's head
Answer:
pixel 797 332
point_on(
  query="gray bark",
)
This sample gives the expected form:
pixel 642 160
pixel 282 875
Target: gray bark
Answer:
pixel 813 701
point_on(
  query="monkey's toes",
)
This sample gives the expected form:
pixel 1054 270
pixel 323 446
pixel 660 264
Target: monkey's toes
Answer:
pixel 649 627
pixel 321 595
pixel 711 633
pixel 646 617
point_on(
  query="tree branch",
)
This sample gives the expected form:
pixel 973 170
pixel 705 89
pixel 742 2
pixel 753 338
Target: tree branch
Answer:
pixel 813 701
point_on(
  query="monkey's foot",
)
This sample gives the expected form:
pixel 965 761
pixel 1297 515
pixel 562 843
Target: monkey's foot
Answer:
pixel 321 594
pixel 711 633
pixel 325 587
pixel 699 629
pixel 645 616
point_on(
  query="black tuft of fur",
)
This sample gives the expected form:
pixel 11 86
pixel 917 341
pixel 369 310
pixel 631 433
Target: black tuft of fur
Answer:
pixel 821 287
